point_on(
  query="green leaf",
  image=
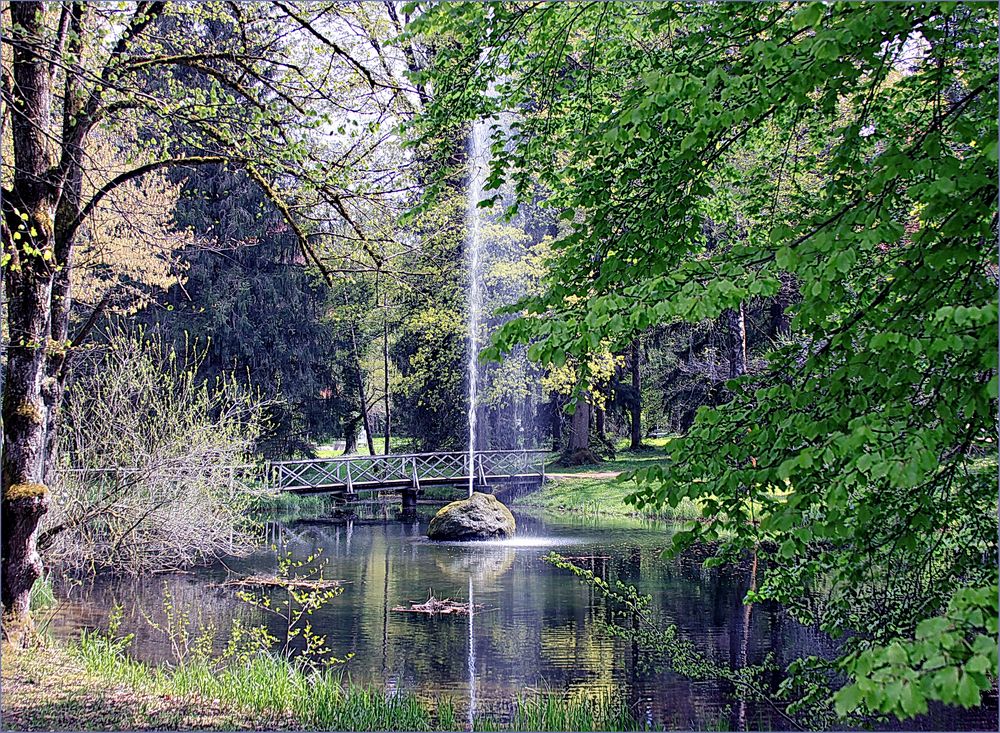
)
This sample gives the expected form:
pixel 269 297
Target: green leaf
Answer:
pixel 968 692
pixel 808 16
pixel 847 699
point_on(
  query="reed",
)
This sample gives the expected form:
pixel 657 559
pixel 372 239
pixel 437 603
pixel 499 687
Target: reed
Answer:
pixel 268 684
pixel 42 595
pixel 271 685
pixel 294 504
pixel 549 712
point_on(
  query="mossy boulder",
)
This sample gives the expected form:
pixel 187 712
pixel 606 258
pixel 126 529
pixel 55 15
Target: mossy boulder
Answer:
pixel 479 517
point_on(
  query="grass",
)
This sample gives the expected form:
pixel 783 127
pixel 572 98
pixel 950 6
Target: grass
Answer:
pixel 595 490
pixel 94 684
pixel 598 496
pixel 547 712
pixel 287 503
pixel 265 687
pixel 47 687
pixel 42 596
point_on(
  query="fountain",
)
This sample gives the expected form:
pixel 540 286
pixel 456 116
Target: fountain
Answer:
pixel 480 516
pixel 478 168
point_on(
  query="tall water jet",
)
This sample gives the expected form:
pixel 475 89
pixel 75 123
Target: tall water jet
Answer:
pixel 478 151
pixel 481 516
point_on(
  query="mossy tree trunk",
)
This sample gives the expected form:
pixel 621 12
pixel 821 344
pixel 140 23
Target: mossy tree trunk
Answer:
pixel 28 211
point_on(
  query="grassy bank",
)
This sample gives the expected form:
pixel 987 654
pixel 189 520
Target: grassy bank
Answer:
pixel 598 496
pixel 595 489
pixel 95 685
pixel 287 503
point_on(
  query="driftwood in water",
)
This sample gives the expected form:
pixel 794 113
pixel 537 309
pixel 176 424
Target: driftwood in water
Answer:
pixel 271 581
pixel 434 606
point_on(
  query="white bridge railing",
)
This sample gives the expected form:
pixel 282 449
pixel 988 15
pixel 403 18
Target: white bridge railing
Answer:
pixel 351 473
pixel 347 474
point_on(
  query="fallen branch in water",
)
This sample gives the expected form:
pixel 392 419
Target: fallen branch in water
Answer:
pixel 435 606
pixel 270 581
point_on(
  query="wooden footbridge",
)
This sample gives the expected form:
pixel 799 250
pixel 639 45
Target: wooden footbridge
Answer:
pixel 351 479
pixel 348 476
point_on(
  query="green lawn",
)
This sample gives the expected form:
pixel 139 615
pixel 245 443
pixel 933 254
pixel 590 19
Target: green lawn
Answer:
pixel 593 496
pixel 595 489
pixel 624 460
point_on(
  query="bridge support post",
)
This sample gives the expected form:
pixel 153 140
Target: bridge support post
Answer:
pixel 410 492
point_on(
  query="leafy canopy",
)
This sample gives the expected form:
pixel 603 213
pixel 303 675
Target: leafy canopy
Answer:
pixel 850 147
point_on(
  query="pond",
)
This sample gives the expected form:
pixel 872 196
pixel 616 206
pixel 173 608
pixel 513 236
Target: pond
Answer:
pixel 539 628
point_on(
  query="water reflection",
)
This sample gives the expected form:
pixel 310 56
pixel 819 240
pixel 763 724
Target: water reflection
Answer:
pixel 539 629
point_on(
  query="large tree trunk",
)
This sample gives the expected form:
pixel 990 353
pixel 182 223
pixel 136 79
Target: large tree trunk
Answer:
pixel 25 497
pixel 578 450
pixel 635 409
pixel 579 427
pixel 351 436
pixel 28 212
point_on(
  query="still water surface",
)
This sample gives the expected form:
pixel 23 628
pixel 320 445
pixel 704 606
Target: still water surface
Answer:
pixel 539 628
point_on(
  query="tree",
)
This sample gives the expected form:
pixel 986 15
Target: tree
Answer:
pixel 850 461
pixel 249 298
pixel 153 446
pixel 250 97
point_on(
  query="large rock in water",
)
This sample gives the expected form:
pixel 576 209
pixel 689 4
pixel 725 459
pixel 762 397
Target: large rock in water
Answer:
pixel 479 517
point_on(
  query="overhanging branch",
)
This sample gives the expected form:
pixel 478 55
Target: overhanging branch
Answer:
pixel 142 170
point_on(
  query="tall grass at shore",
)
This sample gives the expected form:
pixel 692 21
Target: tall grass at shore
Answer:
pixel 286 502
pixel 269 685
pixel 552 713
pixel 42 595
